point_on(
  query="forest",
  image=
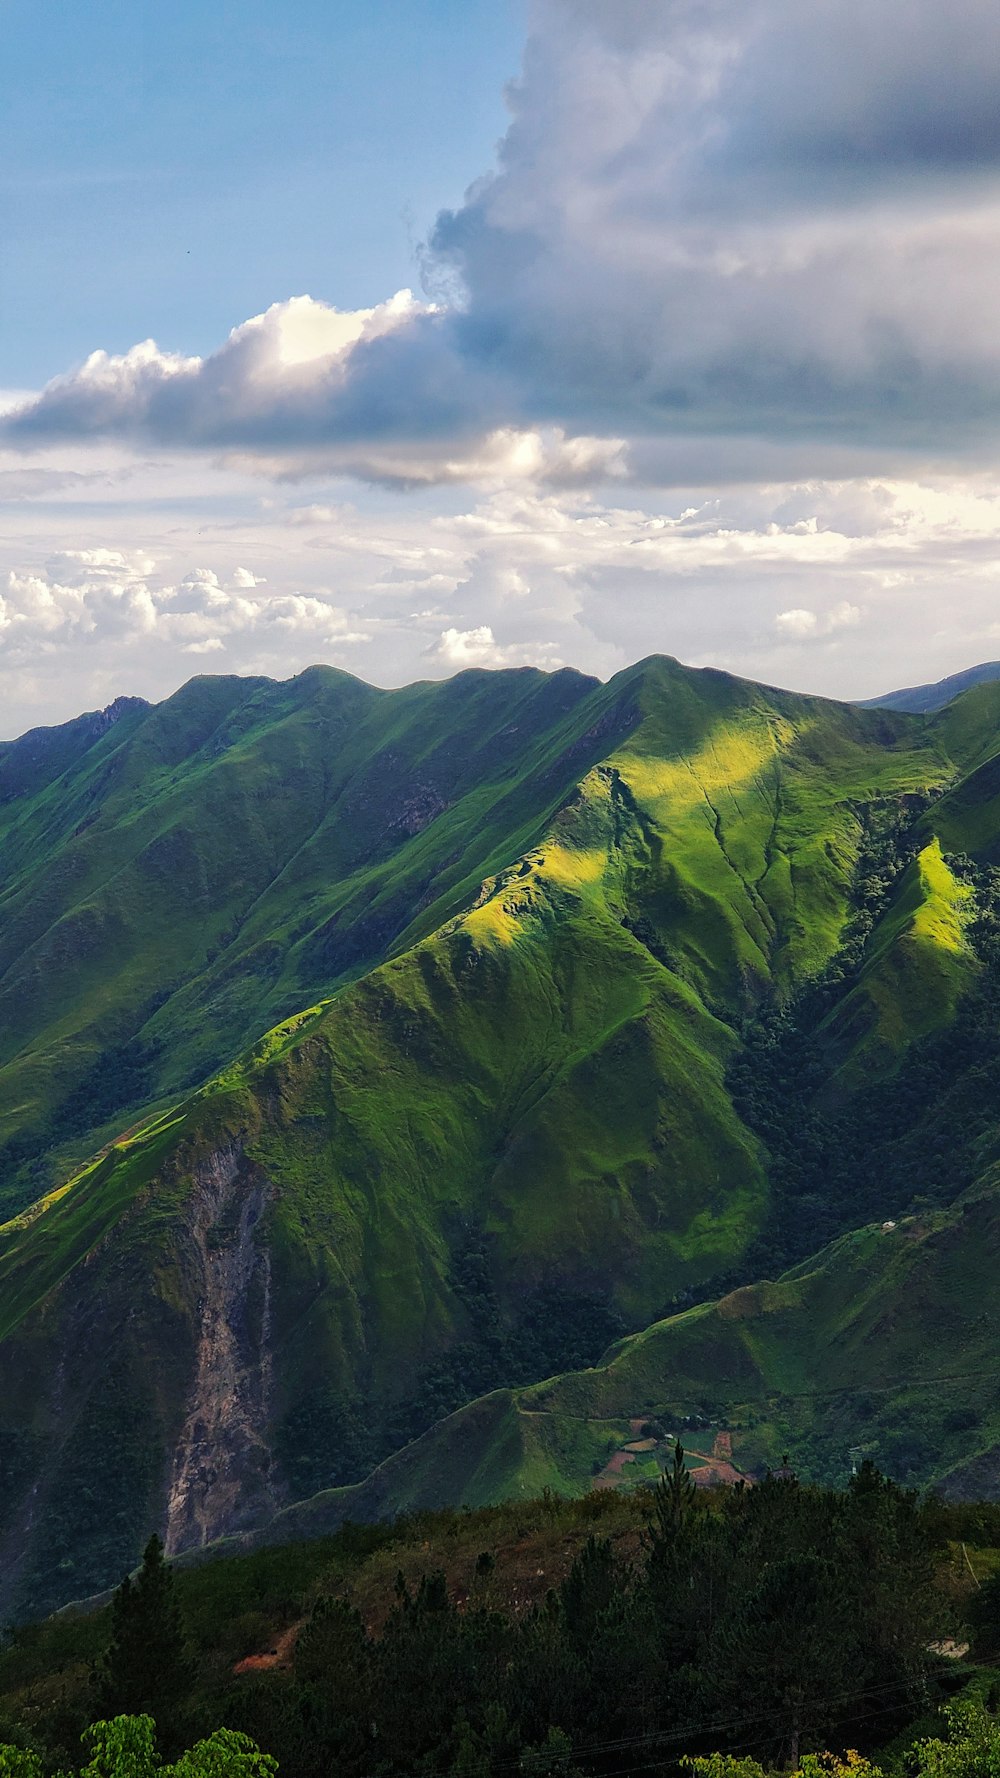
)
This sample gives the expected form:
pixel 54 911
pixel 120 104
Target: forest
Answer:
pixel 689 1627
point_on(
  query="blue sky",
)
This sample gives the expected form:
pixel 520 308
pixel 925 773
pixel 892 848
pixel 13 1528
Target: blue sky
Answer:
pixel 428 334
pixel 170 169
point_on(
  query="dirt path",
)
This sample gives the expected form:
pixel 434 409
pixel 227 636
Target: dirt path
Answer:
pixel 278 1656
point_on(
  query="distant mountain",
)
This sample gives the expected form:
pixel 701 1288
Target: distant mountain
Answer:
pixel 922 699
pixel 366 1051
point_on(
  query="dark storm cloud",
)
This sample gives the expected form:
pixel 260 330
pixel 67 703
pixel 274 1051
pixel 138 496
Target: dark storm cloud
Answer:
pixel 764 219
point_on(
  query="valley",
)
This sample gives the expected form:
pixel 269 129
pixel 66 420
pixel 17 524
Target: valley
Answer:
pixel 407 1096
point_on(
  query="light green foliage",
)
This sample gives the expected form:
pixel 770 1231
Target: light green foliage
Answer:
pixel 225 1754
pixel 812 1765
pixel 19 1762
pixel 122 1747
pixel 723 1765
pixel 126 1747
pixel 971 1748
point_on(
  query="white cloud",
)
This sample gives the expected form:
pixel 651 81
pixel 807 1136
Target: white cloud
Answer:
pixel 716 233
pixel 118 606
pixel 135 596
pixel 800 623
pixel 457 649
pixel 466 648
pixel 797 622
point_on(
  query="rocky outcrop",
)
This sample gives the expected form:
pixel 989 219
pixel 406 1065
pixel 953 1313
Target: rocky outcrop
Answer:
pixel 221 1471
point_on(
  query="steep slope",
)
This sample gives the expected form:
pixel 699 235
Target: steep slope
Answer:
pixel 174 880
pixel 476 1162
pixel 883 1346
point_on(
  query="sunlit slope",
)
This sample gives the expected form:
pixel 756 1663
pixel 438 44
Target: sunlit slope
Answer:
pixel 206 866
pixel 530 1074
pixel 746 801
pixel 919 963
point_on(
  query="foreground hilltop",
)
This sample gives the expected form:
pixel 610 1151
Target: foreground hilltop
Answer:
pixel 456 1033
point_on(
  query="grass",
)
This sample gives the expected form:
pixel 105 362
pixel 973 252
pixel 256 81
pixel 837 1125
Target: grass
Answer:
pixel 867 1349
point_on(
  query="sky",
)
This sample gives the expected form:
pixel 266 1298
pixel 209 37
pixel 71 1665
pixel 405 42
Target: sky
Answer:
pixel 496 332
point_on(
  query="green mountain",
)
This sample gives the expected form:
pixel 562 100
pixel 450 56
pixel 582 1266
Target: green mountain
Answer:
pixel 555 1007
pixel 176 879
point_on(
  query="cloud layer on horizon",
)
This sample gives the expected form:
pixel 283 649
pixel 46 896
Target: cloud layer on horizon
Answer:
pixel 846 588
pixel 712 220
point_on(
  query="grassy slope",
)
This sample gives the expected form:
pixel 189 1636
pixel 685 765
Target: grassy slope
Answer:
pixel 547 1066
pixel 917 966
pixel 884 1343
pixel 205 867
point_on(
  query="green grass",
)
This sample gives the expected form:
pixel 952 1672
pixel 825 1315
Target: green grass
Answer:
pixel 210 867
pixel 918 965
pixel 871 1348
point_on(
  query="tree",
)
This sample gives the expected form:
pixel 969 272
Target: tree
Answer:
pixel 674 1500
pixel 588 1591
pixel 225 1754
pixel 146 1667
pixel 972 1749
pixel 19 1762
pixel 124 1747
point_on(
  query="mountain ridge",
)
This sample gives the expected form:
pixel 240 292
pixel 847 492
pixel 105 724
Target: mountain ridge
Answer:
pixel 467 1160
pixel 922 699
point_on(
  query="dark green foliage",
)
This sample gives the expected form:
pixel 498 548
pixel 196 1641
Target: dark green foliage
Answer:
pixel 120 1075
pixel 588 1591
pixel 984 1618
pixel 97 1494
pixel 905 1142
pixel 751 1620
pixel 774 1613
pixel 560 1330
pixel 146 1667
pixel 324 1441
pixel 327 1440
pixel 673 1504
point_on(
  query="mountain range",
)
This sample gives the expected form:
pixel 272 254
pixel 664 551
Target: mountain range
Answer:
pixel 430 1096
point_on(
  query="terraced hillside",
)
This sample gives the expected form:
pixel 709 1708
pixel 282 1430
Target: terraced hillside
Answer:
pixel 518 970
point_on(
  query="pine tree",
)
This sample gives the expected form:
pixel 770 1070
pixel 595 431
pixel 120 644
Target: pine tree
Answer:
pixel 146 1667
pixel 674 1499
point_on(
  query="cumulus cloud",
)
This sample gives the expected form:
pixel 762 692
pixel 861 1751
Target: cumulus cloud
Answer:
pixel 457 649
pixel 731 217
pixel 800 623
pixel 113 600
pixel 711 220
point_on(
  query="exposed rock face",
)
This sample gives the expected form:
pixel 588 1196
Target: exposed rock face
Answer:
pixel 418 810
pixel 104 719
pixel 221 1472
